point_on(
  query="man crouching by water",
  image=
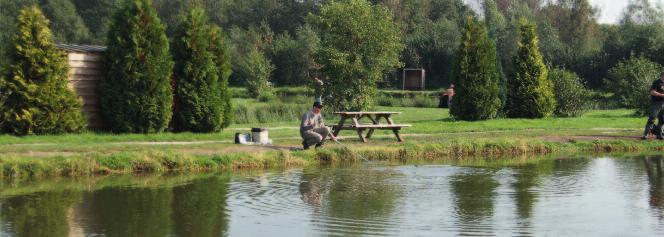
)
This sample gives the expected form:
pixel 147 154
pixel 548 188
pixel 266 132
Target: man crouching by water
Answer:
pixel 656 109
pixel 312 128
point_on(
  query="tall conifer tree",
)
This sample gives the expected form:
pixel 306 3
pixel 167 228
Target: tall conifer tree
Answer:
pixel 136 94
pixel 36 97
pixel 476 75
pixel 531 92
pixel 201 73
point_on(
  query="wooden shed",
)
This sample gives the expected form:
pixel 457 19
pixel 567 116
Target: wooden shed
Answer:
pixel 85 73
pixel 413 78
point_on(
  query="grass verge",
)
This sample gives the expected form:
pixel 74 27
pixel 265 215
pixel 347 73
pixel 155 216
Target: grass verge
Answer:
pixel 170 160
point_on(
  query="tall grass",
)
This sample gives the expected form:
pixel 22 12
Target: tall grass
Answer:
pixel 267 113
pixel 158 161
pixel 413 100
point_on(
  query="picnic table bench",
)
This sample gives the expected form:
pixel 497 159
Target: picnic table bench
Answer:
pixel 374 117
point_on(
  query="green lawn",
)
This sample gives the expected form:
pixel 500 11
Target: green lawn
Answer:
pixel 427 124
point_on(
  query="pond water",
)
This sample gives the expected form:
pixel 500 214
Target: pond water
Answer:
pixel 551 197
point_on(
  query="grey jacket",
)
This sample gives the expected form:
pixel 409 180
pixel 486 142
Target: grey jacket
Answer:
pixel 311 121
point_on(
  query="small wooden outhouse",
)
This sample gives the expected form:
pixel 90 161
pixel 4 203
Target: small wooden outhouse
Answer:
pixel 85 73
pixel 413 79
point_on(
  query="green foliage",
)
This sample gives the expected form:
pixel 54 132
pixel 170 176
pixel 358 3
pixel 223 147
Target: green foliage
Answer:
pixel 359 44
pixel 251 67
pixel 256 69
pixel 97 17
pixel 136 94
pixel 530 90
pixel 572 97
pixel 630 82
pixel 294 57
pixel 37 99
pixel 67 25
pixel 476 75
pixel 202 67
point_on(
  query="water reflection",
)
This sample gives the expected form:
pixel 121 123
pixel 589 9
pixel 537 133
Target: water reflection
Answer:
pixel 199 209
pixel 475 192
pixel 360 201
pixel 41 214
pixel 130 211
pixel 557 197
pixel 656 181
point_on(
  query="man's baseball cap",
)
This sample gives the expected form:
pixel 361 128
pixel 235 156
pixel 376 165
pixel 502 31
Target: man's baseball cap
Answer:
pixel 318 104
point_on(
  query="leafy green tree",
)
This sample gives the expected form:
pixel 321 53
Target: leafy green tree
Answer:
pixel 37 97
pixel 256 69
pixel 136 94
pixel 8 15
pixel 630 81
pixel 67 25
pixel 294 57
pixel 201 73
pixel 530 90
pixel 359 44
pixel 251 66
pixel 97 17
pixel 476 75
pixel 572 97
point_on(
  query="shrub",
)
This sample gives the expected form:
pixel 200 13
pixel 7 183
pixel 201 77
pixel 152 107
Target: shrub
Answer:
pixel 36 98
pixel 572 97
pixel 530 90
pixel 476 75
pixel 256 70
pixel 630 82
pixel 202 68
pixel 136 94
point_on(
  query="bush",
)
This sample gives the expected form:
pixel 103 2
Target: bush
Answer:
pixel 256 69
pixel 572 97
pixel 136 94
pixel 630 82
pixel 202 68
pixel 476 75
pixel 34 94
pixel 530 90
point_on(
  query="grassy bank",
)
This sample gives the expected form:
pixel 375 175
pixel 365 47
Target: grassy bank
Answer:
pixel 433 136
pixel 161 161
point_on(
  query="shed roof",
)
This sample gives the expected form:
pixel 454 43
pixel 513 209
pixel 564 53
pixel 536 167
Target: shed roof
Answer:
pixel 81 48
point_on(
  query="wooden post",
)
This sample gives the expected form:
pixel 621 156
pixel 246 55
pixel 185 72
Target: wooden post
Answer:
pixel 375 122
pixel 339 126
pixel 396 133
pixel 359 133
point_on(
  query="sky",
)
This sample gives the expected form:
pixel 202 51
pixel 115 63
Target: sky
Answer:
pixel 610 10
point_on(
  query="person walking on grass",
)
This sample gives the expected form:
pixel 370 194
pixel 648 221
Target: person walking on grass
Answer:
pixel 656 108
pixel 313 129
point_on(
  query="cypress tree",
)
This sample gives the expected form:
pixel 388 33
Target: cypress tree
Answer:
pixel 36 98
pixel 136 94
pixel 530 90
pixel 201 74
pixel 476 75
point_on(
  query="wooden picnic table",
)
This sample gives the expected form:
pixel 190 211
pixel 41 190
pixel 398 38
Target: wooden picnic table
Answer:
pixel 374 117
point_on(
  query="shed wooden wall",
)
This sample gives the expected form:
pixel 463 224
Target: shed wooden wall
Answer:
pixel 85 73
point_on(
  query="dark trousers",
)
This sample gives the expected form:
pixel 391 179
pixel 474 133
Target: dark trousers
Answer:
pixel 656 112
